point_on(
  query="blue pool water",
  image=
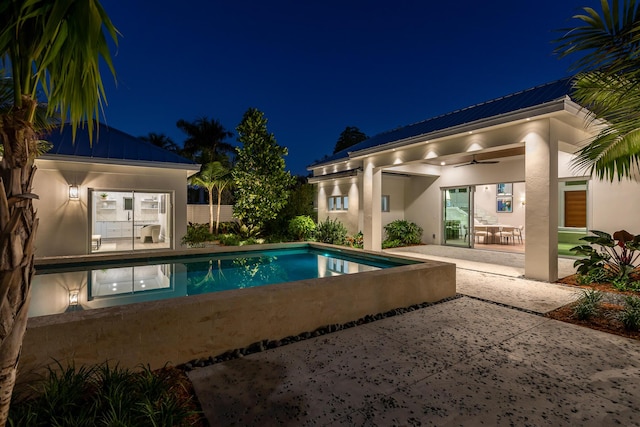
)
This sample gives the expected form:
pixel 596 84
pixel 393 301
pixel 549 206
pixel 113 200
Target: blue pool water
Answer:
pixel 74 287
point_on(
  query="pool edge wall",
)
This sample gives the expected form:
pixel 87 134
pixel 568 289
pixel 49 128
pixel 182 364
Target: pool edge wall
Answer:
pixel 175 331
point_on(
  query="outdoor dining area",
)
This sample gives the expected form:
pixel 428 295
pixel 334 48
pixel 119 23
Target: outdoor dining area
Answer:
pixel 498 234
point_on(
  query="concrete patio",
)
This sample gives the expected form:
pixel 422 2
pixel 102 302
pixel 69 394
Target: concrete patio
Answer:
pixel 486 358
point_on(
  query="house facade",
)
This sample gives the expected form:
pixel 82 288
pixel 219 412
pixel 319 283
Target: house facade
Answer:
pixel 116 193
pixel 505 163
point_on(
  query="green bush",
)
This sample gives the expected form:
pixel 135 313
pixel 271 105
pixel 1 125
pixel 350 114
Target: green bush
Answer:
pixel 630 315
pixel 302 227
pixel 391 243
pixel 332 232
pixel 588 305
pixel 408 233
pixel 196 235
pixel 229 239
pixel 103 395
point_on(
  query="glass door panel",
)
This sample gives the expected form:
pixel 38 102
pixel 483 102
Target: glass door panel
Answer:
pixel 130 220
pixel 456 216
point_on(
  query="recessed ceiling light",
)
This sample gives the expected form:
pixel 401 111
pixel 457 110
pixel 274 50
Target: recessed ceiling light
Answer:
pixel 442 163
pixel 470 132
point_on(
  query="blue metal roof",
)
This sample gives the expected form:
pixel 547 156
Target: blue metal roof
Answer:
pixel 109 144
pixel 507 104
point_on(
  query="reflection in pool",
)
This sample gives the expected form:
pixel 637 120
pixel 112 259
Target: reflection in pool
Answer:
pixel 79 287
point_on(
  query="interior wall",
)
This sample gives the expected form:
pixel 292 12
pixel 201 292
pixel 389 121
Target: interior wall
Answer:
pixel 64 224
pixel 486 200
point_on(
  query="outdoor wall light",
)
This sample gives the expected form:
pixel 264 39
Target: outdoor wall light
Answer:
pixel 74 193
pixel 523 201
pixel 73 298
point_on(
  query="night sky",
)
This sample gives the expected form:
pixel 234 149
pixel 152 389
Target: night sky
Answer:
pixel 315 67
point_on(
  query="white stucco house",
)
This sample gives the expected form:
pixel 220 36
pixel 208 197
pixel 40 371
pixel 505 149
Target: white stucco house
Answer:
pixel 118 193
pixel 505 162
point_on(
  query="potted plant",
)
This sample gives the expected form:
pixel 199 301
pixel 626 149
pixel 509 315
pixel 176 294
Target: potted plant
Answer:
pixel 104 196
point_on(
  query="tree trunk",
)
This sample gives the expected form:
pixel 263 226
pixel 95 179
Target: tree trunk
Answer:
pixel 218 211
pixel 211 211
pixel 18 226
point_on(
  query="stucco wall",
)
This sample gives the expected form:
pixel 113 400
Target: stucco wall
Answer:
pixel 341 187
pixel 64 224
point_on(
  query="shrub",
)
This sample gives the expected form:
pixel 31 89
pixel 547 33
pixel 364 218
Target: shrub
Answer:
pixel 391 243
pixel 229 240
pixel 103 395
pixel 616 254
pixel 408 233
pixel 302 227
pixel 630 315
pixel 588 304
pixel 356 241
pixel 196 235
pixel 332 232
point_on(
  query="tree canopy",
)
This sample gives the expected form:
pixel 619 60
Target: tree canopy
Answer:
pixel 607 83
pixel 161 140
pixel 261 181
pixel 205 141
pixel 350 136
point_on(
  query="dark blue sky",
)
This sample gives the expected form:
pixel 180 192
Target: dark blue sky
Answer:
pixel 315 67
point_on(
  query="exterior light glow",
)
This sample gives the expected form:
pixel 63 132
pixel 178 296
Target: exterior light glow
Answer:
pixel 442 163
pixel 73 298
pixel 74 193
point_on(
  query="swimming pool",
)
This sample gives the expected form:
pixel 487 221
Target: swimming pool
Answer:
pixel 81 286
pixel 174 329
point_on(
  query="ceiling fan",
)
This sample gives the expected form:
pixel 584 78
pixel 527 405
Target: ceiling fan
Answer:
pixel 477 162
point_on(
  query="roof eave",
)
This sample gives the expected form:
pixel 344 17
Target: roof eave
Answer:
pixel 554 106
pixel 121 162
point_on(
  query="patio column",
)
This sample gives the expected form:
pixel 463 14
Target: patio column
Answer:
pixel 541 211
pixel 372 195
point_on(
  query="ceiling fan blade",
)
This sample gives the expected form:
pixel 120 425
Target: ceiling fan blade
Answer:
pixel 487 162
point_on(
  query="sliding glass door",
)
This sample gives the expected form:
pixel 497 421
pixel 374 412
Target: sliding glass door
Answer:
pixel 456 216
pixel 130 220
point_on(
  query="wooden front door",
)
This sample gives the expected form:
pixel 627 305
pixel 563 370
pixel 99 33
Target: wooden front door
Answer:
pixel 575 208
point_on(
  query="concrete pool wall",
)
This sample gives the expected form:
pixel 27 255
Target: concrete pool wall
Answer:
pixel 177 330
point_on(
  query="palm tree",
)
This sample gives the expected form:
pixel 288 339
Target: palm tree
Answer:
pixel 213 176
pixel 205 140
pixel 54 47
pixel 608 84
pixel 161 140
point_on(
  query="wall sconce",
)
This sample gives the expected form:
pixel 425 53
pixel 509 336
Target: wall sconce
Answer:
pixel 522 201
pixel 74 193
pixel 73 298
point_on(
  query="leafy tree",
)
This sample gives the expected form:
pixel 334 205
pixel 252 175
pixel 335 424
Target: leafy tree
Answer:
pixel 205 141
pixel 299 203
pixel 55 46
pixel 349 136
pixel 608 84
pixel 261 181
pixel 161 140
pixel 213 176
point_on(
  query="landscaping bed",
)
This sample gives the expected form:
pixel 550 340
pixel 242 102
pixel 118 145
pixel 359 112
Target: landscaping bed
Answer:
pixel 607 318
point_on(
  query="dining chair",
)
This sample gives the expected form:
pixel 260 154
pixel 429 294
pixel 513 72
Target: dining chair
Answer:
pixel 507 232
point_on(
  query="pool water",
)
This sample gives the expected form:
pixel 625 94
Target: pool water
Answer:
pixel 57 290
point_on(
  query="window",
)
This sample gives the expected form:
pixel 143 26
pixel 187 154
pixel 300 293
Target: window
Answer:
pixel 338 203
pixel 386 206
